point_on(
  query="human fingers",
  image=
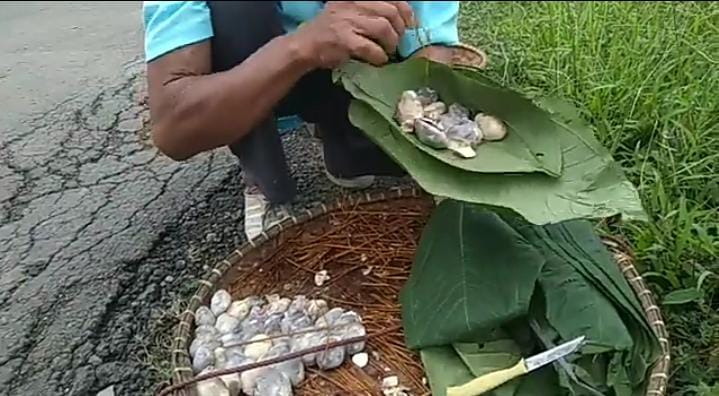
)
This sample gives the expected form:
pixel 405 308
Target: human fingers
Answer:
pixel 379 30
pixel 363 48
pixel 406 12
pixel 386 10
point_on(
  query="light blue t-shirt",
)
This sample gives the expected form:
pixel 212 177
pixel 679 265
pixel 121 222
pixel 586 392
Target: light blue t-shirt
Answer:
pixel 170 25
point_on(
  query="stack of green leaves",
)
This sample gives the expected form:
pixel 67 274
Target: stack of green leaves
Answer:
pixel 488 288
pixel 546 170
pixel 509 266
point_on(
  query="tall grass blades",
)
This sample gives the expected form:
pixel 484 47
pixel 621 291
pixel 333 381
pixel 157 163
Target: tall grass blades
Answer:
pixel 646 75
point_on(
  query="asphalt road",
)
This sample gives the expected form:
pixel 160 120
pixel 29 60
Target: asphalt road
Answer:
pixel 83 198
pixel 101 237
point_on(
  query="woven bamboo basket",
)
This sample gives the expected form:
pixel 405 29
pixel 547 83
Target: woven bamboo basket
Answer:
pixel 468 56
pixel 377 231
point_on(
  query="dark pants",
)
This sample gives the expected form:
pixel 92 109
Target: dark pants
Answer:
pixel 240 29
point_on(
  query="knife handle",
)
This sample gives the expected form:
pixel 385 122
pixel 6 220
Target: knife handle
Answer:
pixel 489 381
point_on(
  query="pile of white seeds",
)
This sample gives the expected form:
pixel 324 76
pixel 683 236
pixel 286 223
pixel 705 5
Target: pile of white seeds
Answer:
pixel 230 334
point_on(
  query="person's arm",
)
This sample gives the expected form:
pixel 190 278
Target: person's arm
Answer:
pixel 194 110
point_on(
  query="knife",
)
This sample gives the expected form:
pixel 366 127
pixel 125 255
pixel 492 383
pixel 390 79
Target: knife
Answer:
pixel 495 379
pixel 562 362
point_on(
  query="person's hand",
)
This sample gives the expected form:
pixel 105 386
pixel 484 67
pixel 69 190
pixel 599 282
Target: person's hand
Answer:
pixel 363 30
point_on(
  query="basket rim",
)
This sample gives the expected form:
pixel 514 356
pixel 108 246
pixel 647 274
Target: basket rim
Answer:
pixel 477 51
pixel 621 250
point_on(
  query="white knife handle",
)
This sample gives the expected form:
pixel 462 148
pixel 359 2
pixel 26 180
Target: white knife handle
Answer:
pixel 489 381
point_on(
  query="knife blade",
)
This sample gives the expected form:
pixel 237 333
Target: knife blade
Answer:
pixel 562 362
pixel 551 355
pixel 494 379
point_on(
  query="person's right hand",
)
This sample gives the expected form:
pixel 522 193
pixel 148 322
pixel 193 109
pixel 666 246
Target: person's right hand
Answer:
pixel 362 30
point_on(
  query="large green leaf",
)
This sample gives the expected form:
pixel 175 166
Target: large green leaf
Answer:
pixel 606 277
pixel 531 144
pixel 581 246
pixel 471 273
pixel 578 265
pixel 577 244
pixel 591 185
pixel 575 308
pixel 581 292
pixel 582 374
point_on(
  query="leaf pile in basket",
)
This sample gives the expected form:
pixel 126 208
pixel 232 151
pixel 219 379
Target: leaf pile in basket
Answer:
pixel 488 288
pixel 545 169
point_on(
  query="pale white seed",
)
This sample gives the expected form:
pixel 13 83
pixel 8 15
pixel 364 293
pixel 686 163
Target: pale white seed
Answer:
pixel 259 346
pixel 492 128
pixel 360 360
pixel 321 277
pixel 220 301
pixel 390 382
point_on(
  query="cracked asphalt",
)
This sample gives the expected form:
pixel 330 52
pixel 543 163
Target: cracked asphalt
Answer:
pixel 101 237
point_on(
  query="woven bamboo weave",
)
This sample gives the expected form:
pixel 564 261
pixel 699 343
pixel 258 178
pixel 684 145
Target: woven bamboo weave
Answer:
pixel 396 202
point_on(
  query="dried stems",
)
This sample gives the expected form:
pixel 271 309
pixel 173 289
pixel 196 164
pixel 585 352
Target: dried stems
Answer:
pixel 383 236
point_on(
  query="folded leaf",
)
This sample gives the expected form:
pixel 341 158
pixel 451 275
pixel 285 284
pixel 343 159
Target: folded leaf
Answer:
pixel 472 272
pixel 491 356
pixel 575 308
pixel 488 356
pixel 578 269
pixel 461 363
pixel 581 246
pixel 591 185
pixel 581 291
pixel 444 369
pixel 531 144
pixel 576 373
pixel 540 383
pixel 617 377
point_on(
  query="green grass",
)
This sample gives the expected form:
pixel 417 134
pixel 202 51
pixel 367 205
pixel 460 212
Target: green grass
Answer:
pixel 646 75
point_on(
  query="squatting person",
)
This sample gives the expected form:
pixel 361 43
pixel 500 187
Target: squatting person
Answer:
pixel 220 73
